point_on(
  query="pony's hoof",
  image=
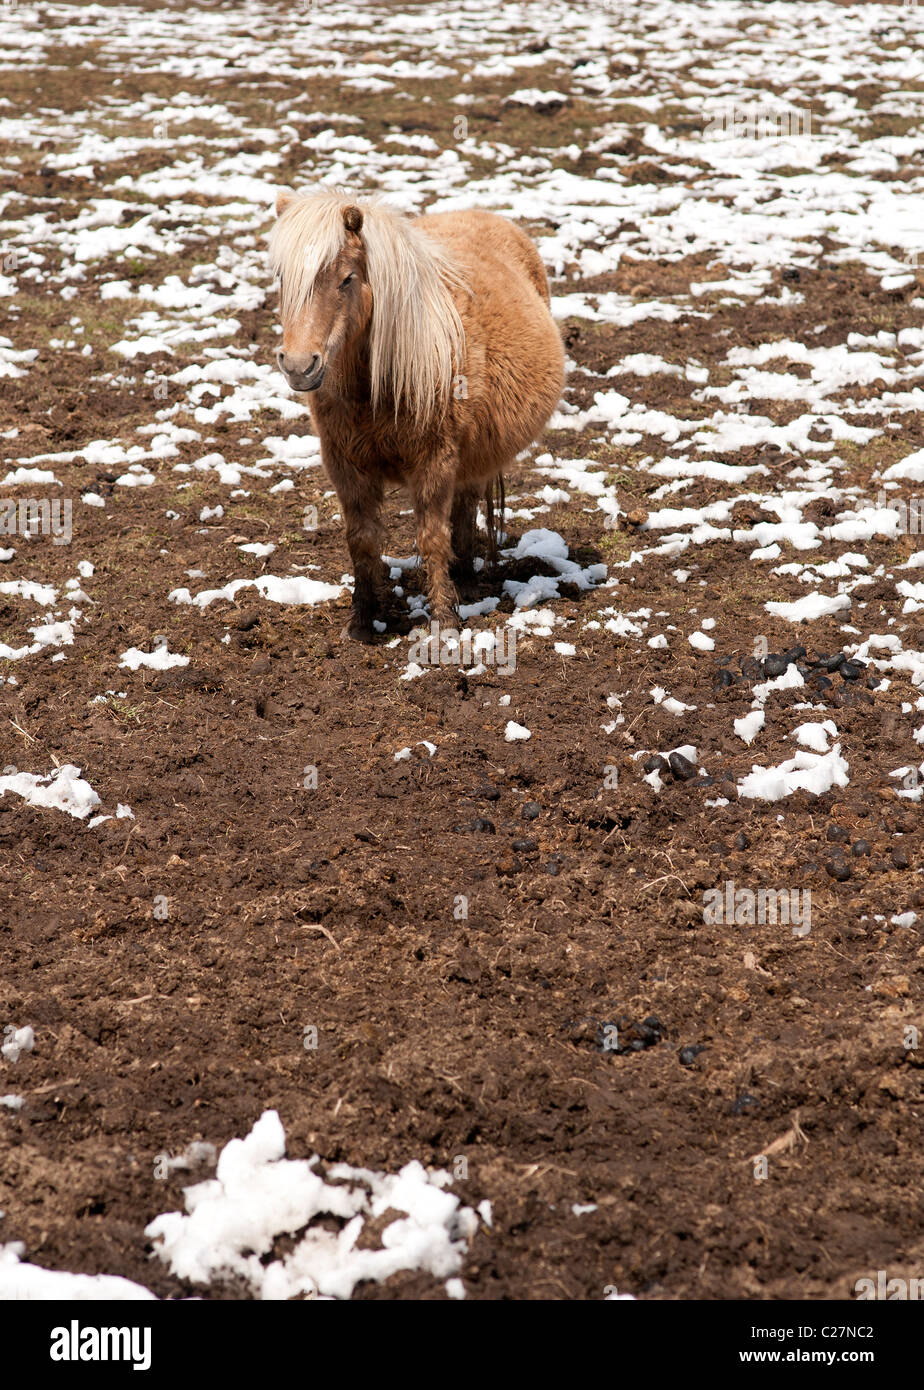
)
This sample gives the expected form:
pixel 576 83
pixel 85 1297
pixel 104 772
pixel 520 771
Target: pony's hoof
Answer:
pixel 359 632
pixel 463 572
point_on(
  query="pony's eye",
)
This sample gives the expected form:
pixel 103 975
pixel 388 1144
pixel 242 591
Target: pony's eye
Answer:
pixel 347 281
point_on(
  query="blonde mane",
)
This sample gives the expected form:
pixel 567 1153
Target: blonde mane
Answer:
pixel 417 341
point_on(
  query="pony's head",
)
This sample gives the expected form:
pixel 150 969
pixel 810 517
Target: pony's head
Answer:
pixel 353 274
pixel 324 293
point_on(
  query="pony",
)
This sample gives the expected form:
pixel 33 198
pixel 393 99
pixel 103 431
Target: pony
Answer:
pixel 430 359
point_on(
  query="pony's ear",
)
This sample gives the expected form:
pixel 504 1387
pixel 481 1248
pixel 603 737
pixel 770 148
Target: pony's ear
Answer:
pixel 284 197
pixel 352 219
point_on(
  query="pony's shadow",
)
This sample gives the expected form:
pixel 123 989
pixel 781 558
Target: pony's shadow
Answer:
pixel 489 582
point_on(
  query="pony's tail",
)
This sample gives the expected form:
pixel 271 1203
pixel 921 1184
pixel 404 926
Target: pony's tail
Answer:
pixel 495 502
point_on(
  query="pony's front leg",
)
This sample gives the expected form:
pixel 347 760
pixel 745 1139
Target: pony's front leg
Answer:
pixel 433 488
pixel 361 499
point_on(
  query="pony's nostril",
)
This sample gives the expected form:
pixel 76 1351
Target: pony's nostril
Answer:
pixel 298 366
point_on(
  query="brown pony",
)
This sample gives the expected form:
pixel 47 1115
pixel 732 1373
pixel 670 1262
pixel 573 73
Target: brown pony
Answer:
pixel 431 358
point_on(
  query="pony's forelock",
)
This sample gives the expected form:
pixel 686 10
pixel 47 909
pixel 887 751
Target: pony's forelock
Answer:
pixel 417 342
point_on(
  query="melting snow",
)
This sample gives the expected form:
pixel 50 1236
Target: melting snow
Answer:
pixel 810 772
pixel 232 1222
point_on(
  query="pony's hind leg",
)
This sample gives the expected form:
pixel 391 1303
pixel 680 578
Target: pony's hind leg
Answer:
pixel 464 513
pixel 433 487
pixel 495 506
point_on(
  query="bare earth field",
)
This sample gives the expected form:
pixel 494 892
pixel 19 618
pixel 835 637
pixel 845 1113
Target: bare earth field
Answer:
pixel 500 958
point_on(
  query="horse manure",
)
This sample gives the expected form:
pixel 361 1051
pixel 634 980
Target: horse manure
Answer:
pixel 681 767
pixel 628 1035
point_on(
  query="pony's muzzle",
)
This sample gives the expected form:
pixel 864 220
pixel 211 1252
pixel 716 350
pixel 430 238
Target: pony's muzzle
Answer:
pixel 302 373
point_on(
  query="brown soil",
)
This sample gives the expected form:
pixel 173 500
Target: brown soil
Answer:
pixel 338 907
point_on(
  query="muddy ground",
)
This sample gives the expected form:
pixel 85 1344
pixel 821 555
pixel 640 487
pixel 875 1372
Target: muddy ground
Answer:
pixel 169 964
